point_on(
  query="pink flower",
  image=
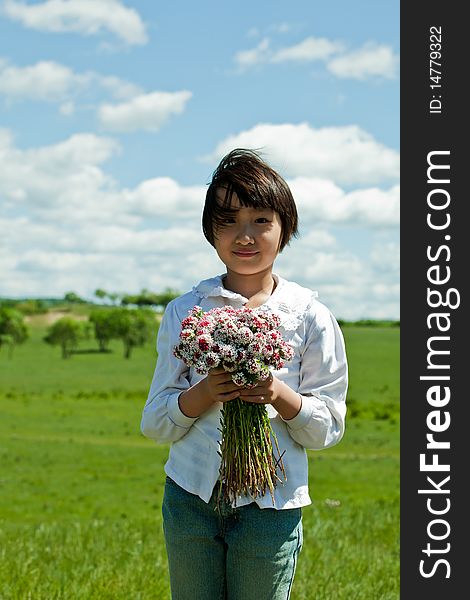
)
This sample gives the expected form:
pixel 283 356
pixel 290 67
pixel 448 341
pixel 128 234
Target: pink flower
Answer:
pixel 189 322
pixel 245 342
pixel 244 334
pixel 212 360
pixel 240 379
pixel 186 334
pixel 204 342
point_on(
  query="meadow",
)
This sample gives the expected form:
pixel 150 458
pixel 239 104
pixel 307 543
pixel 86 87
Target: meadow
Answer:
pixel 81 488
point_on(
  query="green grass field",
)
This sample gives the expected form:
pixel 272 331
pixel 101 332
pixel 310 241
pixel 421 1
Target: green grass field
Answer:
pixel 81 489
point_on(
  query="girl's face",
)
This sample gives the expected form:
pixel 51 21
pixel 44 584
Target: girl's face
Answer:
pixel 248 242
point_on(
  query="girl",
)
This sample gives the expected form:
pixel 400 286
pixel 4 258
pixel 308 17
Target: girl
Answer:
pixel 249 550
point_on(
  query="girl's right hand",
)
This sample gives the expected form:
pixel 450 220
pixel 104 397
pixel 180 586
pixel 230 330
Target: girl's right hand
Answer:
pixel 220 386
pixel 217 386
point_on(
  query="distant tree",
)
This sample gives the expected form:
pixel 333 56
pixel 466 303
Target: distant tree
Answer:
pixel 32 306
pixel 106 325
pixel 128 299
pixel 114 297
pixel 66 333
pixel 134 327
pixel 73 298
pixel 13 329
pixel 101 294
pixel 167 296
pixel 8 302
pixel 147 298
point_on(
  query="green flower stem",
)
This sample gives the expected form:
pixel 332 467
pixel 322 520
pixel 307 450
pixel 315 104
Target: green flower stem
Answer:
pixel 248 465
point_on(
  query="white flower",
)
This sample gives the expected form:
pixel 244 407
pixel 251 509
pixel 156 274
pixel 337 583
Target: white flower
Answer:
pixel 244 342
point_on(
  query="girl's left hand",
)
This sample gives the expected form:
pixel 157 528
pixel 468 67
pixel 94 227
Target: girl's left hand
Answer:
pixel 266 392
pixel 275 392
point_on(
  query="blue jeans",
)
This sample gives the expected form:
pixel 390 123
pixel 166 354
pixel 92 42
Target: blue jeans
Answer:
pixel 244 553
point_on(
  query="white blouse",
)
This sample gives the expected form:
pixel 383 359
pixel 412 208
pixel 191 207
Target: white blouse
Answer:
pixel 318 372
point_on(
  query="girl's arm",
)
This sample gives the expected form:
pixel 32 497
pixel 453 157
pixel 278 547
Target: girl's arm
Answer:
pixel 162 418
pixel 315 413
pixel 323 383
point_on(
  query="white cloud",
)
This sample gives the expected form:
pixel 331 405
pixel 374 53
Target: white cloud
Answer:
pixel 371 60
pixel 65 183
pixel 66 180
pixel 348 285
pixel 364 288
pixel 147 111
pixel 314 239
pixel 308 50
pixel 45 80
pixel 347 155
pixel 87 17
pixel 281 27
pixel 321 201
pixel 50 258
pixel 325 267
pixel 260 54
pixel 53 82
pixel 276 28
pixel 164 197
pixel 67 225
pixel 385 257
pixel 43 259
pixel 80 150
pixel 55 177
pixel 119 88
pixel 67 108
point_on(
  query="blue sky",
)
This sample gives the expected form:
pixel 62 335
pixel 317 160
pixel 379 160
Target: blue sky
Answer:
pixel 113 115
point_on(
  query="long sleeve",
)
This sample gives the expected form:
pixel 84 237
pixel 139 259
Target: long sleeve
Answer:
pixel 323 383
pixel 162 419
pixel 318 371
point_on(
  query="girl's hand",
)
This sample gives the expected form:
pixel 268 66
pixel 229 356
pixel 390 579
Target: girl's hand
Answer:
pixel 217 386
pixel 275 392
pixel 265 392
pixel 220 387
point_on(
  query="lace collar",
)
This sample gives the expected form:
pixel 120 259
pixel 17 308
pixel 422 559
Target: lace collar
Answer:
pixel 289 300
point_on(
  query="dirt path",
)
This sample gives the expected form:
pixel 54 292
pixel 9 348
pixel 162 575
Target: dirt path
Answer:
pixel 51 317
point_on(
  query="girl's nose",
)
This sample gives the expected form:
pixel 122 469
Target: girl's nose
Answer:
pixel 245 235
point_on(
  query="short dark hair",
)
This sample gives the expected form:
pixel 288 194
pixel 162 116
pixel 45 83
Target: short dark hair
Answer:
pixel 257 185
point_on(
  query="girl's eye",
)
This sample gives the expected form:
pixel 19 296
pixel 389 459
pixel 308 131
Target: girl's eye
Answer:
pixel 262 220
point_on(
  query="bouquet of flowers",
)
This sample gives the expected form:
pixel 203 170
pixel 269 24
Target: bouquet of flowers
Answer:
pixel 247 344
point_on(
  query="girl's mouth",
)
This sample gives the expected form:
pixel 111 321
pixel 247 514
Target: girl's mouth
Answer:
pixel 245 253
